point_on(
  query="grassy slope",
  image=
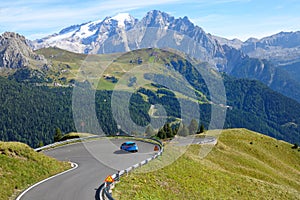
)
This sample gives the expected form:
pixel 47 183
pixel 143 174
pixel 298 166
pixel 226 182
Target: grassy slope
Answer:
pixel 94 67
pixel 235 169
pixel 76 66
pixel 21 166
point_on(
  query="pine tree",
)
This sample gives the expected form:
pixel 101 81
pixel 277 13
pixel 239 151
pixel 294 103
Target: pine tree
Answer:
pixel 57 135
pixel 41 143
pixel 175 130
pixel 202 129
pixel 162 134
pixel 168 131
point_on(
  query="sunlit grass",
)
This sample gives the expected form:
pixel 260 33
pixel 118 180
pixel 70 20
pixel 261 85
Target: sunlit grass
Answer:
pixel 21 166
pixel 243 165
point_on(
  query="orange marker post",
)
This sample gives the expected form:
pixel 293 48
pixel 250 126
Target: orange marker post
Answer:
pixel 109 179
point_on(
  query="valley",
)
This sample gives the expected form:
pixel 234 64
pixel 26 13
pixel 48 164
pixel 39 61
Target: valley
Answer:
pixel 247 101
pixel 161 77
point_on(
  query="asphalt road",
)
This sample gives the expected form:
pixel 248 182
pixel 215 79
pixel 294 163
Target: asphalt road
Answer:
pixel 184 141
pixel 96 159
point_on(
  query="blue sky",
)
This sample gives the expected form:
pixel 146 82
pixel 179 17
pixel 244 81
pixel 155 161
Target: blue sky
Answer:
pixel 227 18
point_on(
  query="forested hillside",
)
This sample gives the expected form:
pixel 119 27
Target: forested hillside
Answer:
pixel 31 114
pixel 261 109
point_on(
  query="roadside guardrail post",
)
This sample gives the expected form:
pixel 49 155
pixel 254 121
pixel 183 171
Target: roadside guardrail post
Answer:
pixel 117 176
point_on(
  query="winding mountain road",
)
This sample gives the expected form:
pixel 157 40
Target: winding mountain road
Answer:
pixel 184 141
pixel 96 159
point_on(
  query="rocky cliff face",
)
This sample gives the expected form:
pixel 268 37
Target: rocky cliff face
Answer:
pixel 16 53
pixel 273 60
pixel 281 48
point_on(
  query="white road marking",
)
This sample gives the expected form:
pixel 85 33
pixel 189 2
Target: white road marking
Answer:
pixel 73 165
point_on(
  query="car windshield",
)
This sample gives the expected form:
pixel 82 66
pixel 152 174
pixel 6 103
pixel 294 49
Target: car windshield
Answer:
pixel 129 144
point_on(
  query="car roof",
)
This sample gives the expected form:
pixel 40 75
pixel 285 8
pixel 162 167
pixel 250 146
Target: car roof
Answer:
pixel 129 142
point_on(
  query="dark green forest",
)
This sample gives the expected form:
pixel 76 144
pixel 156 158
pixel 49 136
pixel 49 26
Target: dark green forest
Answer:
pixel 31 114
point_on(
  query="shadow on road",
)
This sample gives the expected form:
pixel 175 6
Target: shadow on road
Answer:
pixel 121 152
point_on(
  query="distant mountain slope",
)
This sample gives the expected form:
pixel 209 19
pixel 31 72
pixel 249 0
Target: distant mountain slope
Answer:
pixel 293 70
pixel 252 104
pixel 258 108
pixel 86 37
pixel 282 51
pixel 280 48
pixel 277 78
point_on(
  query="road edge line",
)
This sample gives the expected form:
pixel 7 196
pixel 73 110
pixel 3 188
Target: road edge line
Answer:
pixel 73 165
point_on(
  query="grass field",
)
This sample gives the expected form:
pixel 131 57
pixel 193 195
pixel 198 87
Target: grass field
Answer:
pixel 68 65
pixel 21 166
pixel 98 69
pixel 243 165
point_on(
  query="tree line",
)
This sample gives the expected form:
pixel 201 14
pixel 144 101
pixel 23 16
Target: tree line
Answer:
pixel 169 131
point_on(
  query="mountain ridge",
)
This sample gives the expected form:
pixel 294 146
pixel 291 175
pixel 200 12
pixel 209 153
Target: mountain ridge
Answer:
pixel 159 30
pixel 133 36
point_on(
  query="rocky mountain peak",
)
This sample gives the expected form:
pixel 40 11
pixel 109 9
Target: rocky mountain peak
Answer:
pixel 157 18
pixel 10 35
pixel 123 19
pixel 123 33
pixel 15 52
pixel 283 39
pixel 251 40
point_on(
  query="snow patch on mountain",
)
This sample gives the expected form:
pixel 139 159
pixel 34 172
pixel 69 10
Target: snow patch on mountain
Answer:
pixel 123 33
pixel 85 37
pixel 86 30
pixel 122 18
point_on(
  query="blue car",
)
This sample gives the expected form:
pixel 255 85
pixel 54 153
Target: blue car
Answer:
pixel 129 146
